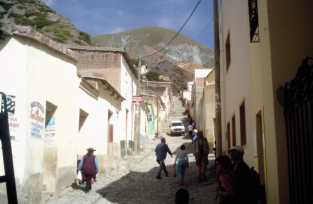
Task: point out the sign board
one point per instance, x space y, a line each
137 100
37 118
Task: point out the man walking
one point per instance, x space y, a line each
243 180
161 151
201 152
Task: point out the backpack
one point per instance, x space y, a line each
89 165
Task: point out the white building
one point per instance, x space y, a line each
99 107
38 82
113 66
54 114
199 76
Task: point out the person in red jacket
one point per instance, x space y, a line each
89 168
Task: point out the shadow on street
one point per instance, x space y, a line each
141 188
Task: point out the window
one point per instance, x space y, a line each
82 118
228 135
227 51
233 121
110 126
254 21
50 112
243 134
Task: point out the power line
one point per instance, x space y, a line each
178 32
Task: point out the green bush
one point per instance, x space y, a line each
44 9
153 76
39 21
23 20
134 61
60 32
85 37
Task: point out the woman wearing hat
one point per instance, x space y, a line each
89 168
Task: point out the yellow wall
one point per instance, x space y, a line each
291 31
286 38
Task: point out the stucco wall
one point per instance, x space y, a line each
45 68
291 40
128 90
209 109
236 82
285 39
38 76
105 65
94 132
13 82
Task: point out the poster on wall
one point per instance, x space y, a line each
37 118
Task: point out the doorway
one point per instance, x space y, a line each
50 150
110 132
260 146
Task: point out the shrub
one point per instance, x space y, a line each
85 37
153 76
44 9
41 21
23 20
60 32
134 61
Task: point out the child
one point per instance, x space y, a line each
181 163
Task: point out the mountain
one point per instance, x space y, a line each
38 15
177 61
182 49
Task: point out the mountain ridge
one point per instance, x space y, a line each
156 37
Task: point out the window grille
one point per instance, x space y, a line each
254 21
228 51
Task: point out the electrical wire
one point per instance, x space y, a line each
177 33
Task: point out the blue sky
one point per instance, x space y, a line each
109 16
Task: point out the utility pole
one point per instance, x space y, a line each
137 109
157 101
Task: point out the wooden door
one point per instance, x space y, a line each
260 145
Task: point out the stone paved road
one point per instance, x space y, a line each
134 182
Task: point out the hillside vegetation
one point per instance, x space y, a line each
38 15
182 49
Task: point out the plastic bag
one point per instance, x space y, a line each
79 176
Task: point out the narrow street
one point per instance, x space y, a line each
134 182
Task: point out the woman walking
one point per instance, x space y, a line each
181 163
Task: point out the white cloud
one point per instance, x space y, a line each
117 30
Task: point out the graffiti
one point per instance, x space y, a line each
10 104
13 124
37 119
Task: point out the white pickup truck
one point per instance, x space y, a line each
177 127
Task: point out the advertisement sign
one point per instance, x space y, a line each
138 100
37 118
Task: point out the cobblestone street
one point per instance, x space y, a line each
134 182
